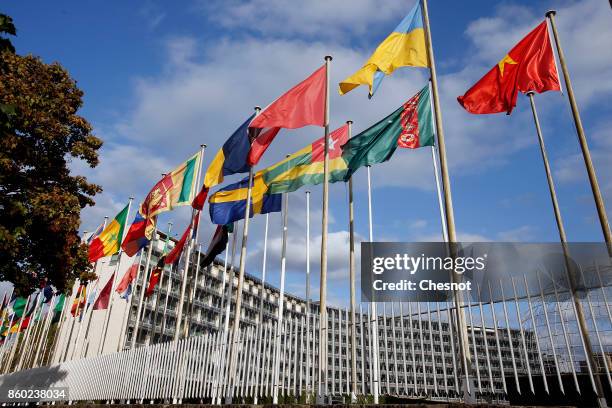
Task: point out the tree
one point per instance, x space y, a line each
40 199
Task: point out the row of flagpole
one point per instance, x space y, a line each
448 230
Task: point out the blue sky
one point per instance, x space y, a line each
160 79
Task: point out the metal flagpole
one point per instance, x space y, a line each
44 329
580 316
281 298
243 255
261 303
85 336
145 278
229 275
179 313
29 331
323 280
308 337
448 201
194 288
114 284
375 374
128 307
353 390
601 209
164 274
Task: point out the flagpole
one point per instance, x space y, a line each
28 331
128 308
45 329
448 201
83 312
161 284
261 302
308 360
113 285
194 288
601 400
85 340
586 153
323 280
179 314
353 391
373 313
243 249
281 300
145 277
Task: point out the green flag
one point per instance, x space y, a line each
19 306
410 127
57 310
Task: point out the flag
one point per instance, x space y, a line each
47 293
155 277
529 66
105 294
136 239
109 240
175 254
57 310
305 167
92 296
128 277
126 295
176 189
18 306
302 105
217 244
404 47
228 204
410 126
230 159
94 234
79 301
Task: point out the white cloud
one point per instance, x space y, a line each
319 18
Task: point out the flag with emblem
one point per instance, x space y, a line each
305 167
529 66
410 127
109 240
176 189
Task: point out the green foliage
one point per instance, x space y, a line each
40 200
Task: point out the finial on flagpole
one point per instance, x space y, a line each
551 13
349 122
328 58
203 146
257 108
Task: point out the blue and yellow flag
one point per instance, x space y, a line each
404 47
231 158
228 204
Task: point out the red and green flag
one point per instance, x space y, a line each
410 127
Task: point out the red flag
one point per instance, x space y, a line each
302 105
155 277
200 199
128 277
529 66
104 296
174 255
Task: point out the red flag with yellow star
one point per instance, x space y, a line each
529 66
